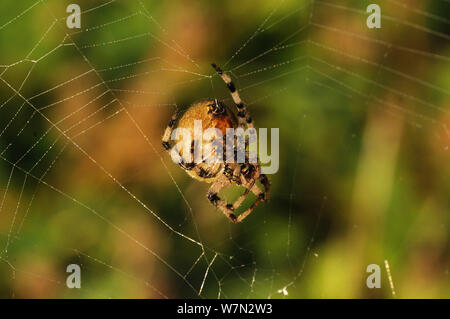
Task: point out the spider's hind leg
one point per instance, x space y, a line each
266 183
213 197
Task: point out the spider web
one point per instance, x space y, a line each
85 180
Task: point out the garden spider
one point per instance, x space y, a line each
214 114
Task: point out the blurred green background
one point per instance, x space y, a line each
364 160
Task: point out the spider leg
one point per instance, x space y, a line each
183 164
168 132
229 209
214 198
248 185
239 179
200 171
265 182
244 181
237 175
243 114
241 198
261 196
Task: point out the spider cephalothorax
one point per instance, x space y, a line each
216 115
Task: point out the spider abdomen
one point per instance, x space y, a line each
211 114
204 111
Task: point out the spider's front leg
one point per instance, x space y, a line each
242 112
213 197
261 196
168 132
265 182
